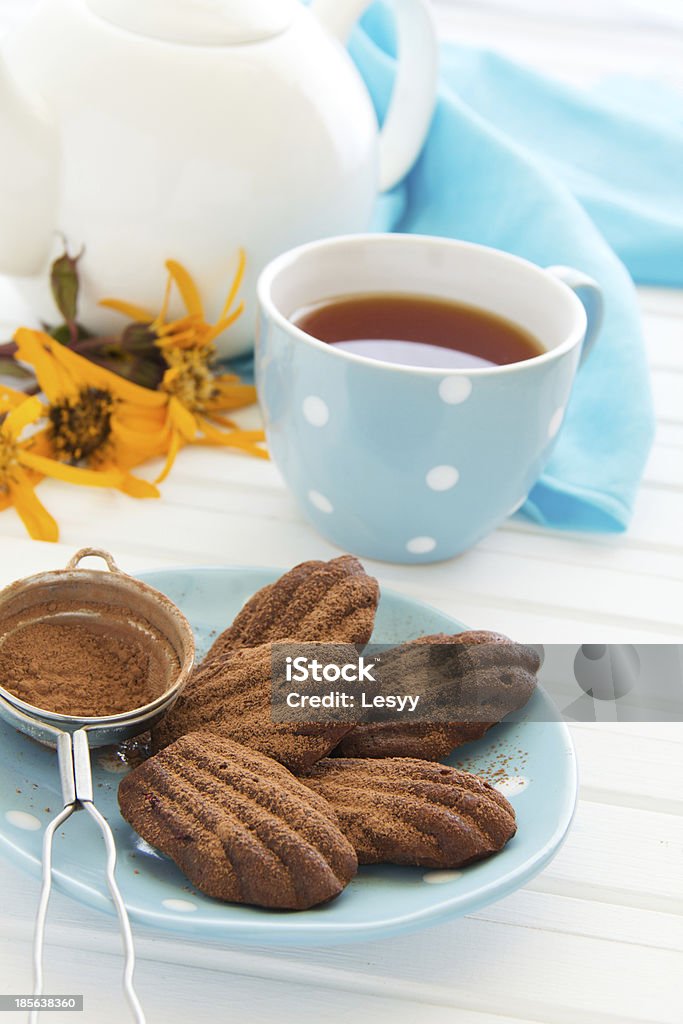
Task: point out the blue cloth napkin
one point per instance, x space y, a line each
556 175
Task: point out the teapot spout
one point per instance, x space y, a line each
29 180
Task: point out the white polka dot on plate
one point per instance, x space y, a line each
320 502
421 545
316 411
22 820
180 906
455 390
556 422
511 786
441 877
442 478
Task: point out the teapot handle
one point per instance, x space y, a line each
412 104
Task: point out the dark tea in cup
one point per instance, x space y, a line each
418 330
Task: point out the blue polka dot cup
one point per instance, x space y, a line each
413 464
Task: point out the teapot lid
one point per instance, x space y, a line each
200 22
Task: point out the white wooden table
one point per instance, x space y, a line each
598 937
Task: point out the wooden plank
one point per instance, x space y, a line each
665 467
23 557
177 992
667 391
489 975
669 732
620 855
243 533
664 339
592 551
670 435
657 519
618 924
625 767
254 490
533 624
667 302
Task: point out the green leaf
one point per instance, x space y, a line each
146 369
8 368
65 334
134 355
65 286
64 281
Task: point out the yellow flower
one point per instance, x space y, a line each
94 416
196 396
24 462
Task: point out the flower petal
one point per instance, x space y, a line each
35 348
39 444
22 416
139 417
9 398
232 396
222 421
247 440
129 309
138 488
62 373
133 485
182 419
173 450
236 284
223 325
159 319
141 439
34 515
70 474
176 326
186 287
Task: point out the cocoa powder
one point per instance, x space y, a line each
83 666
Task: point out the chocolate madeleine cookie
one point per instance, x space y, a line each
230 696
481 676
425 742
328 601
239 825
405 811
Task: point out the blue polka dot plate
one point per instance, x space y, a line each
531 760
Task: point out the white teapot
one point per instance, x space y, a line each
144 130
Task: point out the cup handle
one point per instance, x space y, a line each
590 294
412 104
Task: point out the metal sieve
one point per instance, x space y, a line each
149 615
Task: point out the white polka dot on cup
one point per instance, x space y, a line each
442 478
556 422
316 411
21 819
455 390
320 502
421 545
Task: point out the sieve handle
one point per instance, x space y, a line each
95 553
77 787
84 794
41 917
